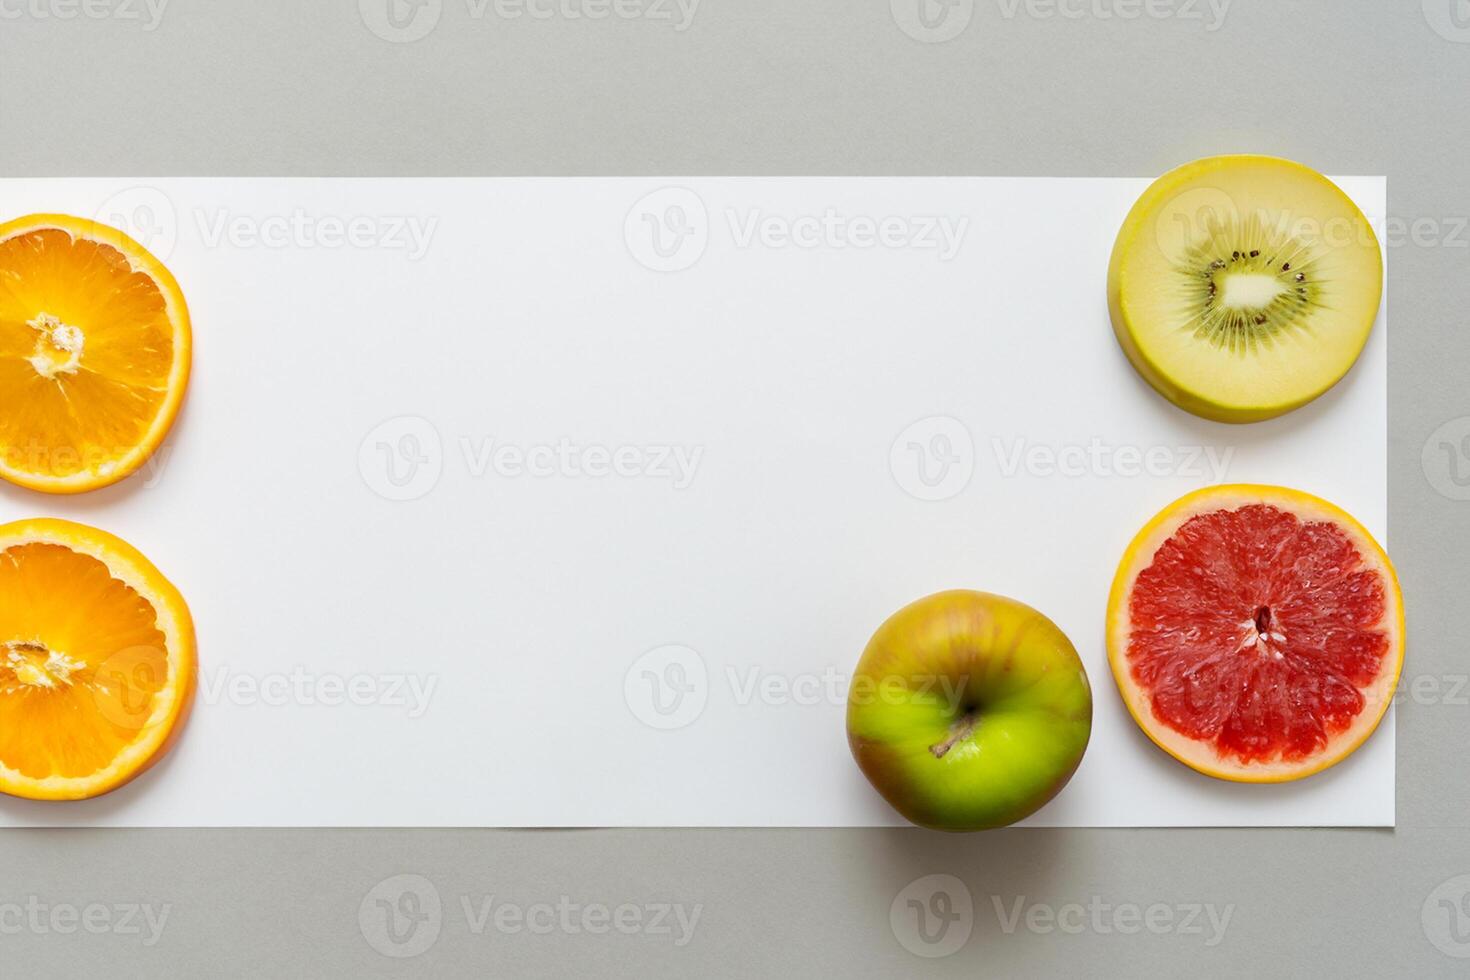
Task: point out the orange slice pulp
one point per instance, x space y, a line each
94 353
97 662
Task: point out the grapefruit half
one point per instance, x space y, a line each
1256 633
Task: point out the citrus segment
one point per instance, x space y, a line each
94 353
1256 633
96 661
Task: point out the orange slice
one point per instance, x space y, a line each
1256 633
94 353
97 661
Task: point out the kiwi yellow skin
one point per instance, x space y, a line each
1214 398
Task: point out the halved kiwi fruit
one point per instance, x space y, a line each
1242 287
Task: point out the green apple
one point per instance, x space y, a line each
968 711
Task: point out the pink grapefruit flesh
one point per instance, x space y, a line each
1256 633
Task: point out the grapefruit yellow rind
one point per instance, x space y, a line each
158 731
110 471
1207 177
1201 756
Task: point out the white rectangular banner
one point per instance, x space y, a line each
573 502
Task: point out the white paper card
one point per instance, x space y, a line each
572 502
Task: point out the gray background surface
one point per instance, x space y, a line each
817 87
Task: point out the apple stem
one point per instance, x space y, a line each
958 732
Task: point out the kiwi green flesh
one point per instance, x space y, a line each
1244 285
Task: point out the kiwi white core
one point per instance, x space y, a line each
1249 291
